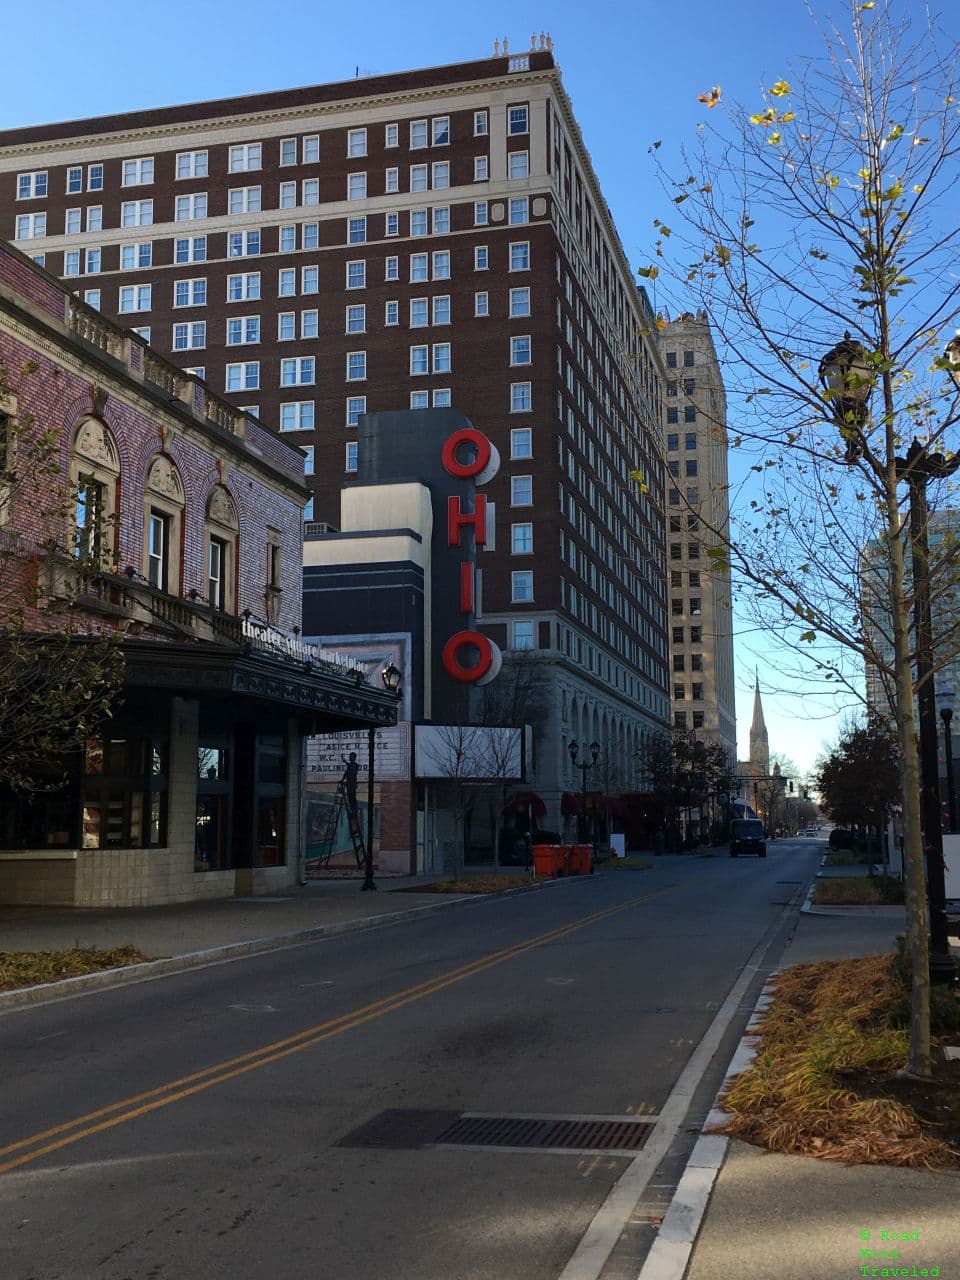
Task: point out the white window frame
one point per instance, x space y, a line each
248 328
518 531
481 123
249 286
355 318
190 208
481 168
356 143
419 178
72 222
244 199
518 115
391 313
310 151
246 374
309 192
194 164
438 304
516 348
440 264
391 181
288 152
524 594
391 134
309 280
440 125
359 359
357 229
518 247
518 165
137 255
521 491
33 185
74 179
245 157
420 356
481 303
136 213
351 456
140 295
419 311
440 175
391 267
137 173
422 130
356 274
303 371
520 437
520 301
355 407
415 276
519 392
441 363
357 186
192 249
310 323
286 326
303 415
94 219
193 331
481 258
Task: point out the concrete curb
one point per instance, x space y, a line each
670 1253
49 992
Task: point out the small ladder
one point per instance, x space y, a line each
353 825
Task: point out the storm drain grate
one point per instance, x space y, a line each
545 1133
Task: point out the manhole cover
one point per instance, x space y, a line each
545 1133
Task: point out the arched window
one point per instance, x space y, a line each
94 473
220 532
163 501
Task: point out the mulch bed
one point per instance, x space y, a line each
936 1104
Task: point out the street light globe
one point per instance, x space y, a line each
847 381
945 700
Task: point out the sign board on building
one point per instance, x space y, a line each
326 753
468 752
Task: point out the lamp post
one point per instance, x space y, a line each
391 681
945 707
848 382
584 767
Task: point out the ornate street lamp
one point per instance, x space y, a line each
390 677
848 382
584 767
945 707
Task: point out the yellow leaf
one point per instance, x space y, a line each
774 138
712 98
864 174
868 5
637 476
764 117
780 89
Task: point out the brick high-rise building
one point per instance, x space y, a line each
427 239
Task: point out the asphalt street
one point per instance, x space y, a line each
206 1124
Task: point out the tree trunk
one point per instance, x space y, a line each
917 938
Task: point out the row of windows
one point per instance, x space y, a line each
689 414
689 467
673 441
246 330
696 692
248 157
247 200
671 357
696 635
696 662
680 720
245 287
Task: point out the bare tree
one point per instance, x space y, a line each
60 676
828 209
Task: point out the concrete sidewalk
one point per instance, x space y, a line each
186 935
792 1217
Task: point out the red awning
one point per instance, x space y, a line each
521 801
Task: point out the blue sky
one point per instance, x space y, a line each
633 69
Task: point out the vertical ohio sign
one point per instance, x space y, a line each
482 464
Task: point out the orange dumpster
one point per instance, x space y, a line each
549 859
581 859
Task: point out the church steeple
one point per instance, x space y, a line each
759 746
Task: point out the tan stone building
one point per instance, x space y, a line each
701 620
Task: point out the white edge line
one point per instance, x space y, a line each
601 1236
669 1255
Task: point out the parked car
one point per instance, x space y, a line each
747 836
810 831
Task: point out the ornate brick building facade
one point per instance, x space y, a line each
167 520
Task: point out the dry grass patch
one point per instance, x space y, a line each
847 891
479 884
29 968
816 1085
630 863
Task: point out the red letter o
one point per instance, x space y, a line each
451 656
464 470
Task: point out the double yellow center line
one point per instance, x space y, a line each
26 1150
